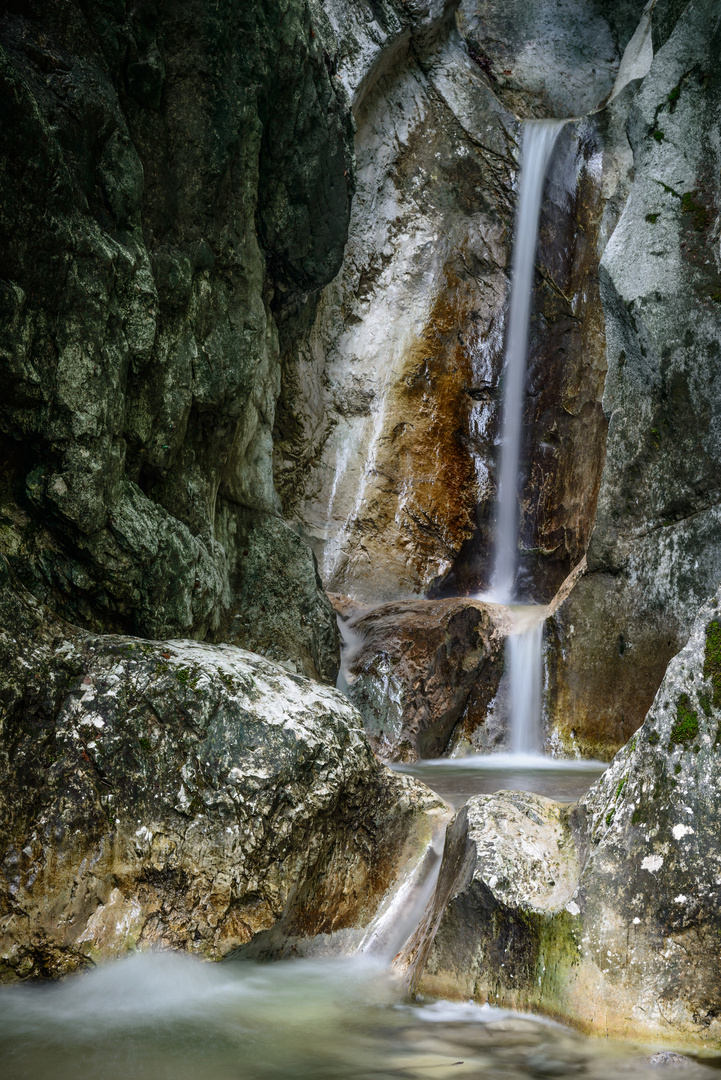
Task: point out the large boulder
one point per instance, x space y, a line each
183 795
422 673
607 913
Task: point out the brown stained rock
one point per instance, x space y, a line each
182 795
388 410
421 671
565 424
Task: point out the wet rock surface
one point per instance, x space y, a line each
387 427
653 557
422 673
606 914
183 795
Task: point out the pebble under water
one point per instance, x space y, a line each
170 1017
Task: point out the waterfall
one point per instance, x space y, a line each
525 668
524 645
539 137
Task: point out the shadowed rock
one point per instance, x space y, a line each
422 672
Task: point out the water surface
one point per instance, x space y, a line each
457 779
169 1017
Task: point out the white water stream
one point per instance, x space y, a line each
524 645
539 139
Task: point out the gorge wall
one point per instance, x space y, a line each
252 313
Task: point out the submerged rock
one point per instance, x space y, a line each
607 913
183 795
423 672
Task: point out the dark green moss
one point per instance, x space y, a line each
705 702
638 817
145 744
653 218
620 786
697 211
659 136
609 815
712 661
677 768
685 729
653 738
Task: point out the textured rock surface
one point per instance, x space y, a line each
156 212
387 427
423 672
389 400
654 555
182 795
608 913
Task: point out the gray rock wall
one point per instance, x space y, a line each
654 555
154 203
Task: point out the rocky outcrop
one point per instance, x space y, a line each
184 795
607 913
654 555
158 219
388 402
550 59
386 432
422 673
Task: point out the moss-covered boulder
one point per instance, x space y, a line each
608 913
182 795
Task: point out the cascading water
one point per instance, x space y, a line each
524 645
539 138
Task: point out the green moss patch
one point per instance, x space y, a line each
698 212
685 729
712 662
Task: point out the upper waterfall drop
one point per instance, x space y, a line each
539 139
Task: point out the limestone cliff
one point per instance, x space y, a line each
654 556
157 218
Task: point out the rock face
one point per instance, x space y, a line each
654 556
423 672
183 795
387 425
608 913
389 399
157 221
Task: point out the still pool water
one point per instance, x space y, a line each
457 779
169 1017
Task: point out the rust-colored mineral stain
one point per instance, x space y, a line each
426 460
